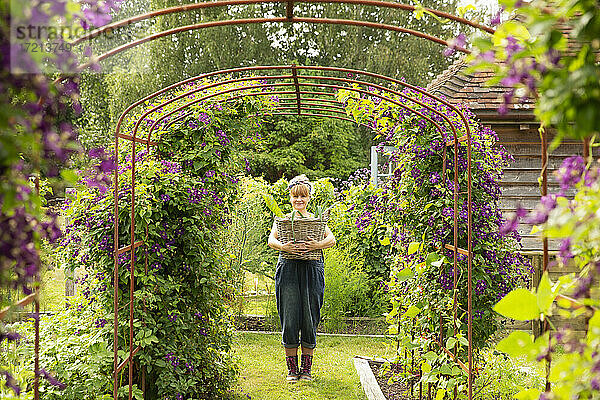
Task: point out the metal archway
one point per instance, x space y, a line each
288 18
315 107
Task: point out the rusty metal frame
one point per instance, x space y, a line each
289 18
308 108
289 13
312 108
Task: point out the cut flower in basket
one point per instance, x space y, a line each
272 204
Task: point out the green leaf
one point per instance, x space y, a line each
385 241
515 344
431 258
430 356
8 201
450 343
511 28
529 394
520 304
545 295
461 12
411 312
445 370
69 175
404 274
272 204
413 247
425 367
441 393
593 328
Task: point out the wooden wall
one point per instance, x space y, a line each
520 185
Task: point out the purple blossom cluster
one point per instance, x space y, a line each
521 72
100 176
222 137
480 287
170 167
447 280
358 178
18 252
172 358
10 382
570 172
100 322
196 195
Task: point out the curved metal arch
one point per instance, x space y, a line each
256 68
179 118
298 84
183 83
303 114
161 118
456 139
382 88
245 21
290 18
322 116
289 12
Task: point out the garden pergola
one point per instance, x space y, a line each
302 92
320 105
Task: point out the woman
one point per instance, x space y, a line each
299 287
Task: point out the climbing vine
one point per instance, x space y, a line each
414 211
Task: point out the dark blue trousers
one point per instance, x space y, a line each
299 289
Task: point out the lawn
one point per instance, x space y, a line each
263 370
259 305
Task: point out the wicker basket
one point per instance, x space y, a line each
304 228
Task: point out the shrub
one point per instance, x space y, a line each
346 286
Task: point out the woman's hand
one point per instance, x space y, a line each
294 248
311 245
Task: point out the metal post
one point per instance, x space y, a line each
36 321
545 257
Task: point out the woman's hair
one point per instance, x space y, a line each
300 186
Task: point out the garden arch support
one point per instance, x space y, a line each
321 109
314 106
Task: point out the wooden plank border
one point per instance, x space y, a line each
367 379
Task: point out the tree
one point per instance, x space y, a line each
318 147
153 65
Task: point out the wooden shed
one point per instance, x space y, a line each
518 133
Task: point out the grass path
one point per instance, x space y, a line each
263 370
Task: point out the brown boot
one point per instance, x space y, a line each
292 365
305 367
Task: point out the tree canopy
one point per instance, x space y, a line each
144 69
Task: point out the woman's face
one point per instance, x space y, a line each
299 202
